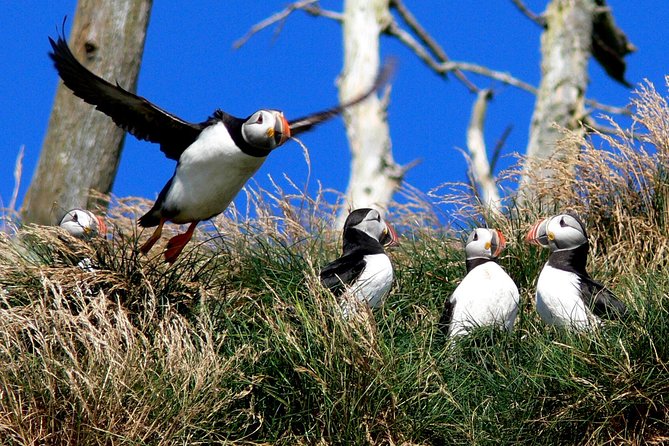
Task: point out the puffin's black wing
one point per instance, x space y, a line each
132 113
343 271
601 300
306 123
446 316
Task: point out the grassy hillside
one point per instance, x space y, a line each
237 343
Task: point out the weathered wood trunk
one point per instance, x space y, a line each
565 50
374 175
82 147
479 165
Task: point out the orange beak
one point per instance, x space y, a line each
392 239
102 227
501 243
282 130
537 234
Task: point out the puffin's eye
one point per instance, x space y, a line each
259 120
562 223
476 236
75 217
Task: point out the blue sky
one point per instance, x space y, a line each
190 68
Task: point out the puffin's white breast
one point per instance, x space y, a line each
486 296
375 280
559 301
211 171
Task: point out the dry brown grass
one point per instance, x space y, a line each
618 182
621 186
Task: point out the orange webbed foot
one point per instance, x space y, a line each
177 243
146 247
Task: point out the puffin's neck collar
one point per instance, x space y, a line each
234 127
355 239
473 262
574 260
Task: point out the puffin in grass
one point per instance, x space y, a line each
364 270
566 294
487 296
83 224
214 158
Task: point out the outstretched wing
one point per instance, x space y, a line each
306 123
132 113
343 271
601 300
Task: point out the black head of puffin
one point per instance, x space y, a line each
484 243
370 222
559 232
266 129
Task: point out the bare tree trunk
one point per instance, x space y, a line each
82 146
565 50
374 174
481 172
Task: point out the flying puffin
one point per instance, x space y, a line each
487 295
364 270
214 158
83 224
566 295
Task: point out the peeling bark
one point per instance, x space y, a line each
82 147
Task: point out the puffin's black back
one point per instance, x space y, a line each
356 245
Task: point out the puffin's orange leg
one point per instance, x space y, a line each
146 247
177 243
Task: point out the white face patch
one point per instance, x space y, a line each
484 243
565 232
79 223
373 225
479 244
260 130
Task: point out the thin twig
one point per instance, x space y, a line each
428 41
536 18
317 11
625 111
508 79
591 126
18 170
419 50
499 145
280 16
505 78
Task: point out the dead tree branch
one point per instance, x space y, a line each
309 6
427 41
536 18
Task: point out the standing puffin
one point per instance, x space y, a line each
487 295
83 224
364 269
214 158
566 295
